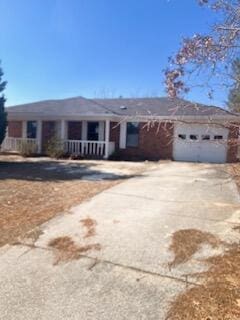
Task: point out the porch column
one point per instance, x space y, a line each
101 131
63 130
107 134
84 130
39 135
24 129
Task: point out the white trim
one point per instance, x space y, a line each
123 135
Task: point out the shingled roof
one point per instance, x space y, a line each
71 106
119 107
159 107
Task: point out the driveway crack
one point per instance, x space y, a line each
97 261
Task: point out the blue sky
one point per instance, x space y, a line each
64 48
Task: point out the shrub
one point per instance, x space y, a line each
27 149
55 148
121 156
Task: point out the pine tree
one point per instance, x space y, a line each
3 114
234 94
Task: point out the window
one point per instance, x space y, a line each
132 134
32 129
218 137
205 137
74 130
193 137
182 136
93 131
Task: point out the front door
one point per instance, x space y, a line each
93 131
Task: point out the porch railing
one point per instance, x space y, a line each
17 144
84 147
73 147
88 148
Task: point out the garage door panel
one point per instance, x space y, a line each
200 143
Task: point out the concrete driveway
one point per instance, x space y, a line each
129 277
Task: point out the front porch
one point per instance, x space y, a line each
85 138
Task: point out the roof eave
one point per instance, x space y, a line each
115 117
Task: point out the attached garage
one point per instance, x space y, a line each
200 143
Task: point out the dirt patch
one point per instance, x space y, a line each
90 225
185 243
236 228
218 298
31 195
67 249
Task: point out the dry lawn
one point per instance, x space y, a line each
234 170
185 243
66 249
218 297
30 194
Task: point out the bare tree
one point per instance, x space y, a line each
234 94
210 54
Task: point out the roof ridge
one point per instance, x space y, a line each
129 98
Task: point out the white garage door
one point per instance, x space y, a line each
200 143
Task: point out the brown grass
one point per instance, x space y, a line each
90 225
34 234
30 196
218 298
67 249
234 171
185 243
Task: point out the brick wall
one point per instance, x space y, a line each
155 142
15 129
115 133
74 130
